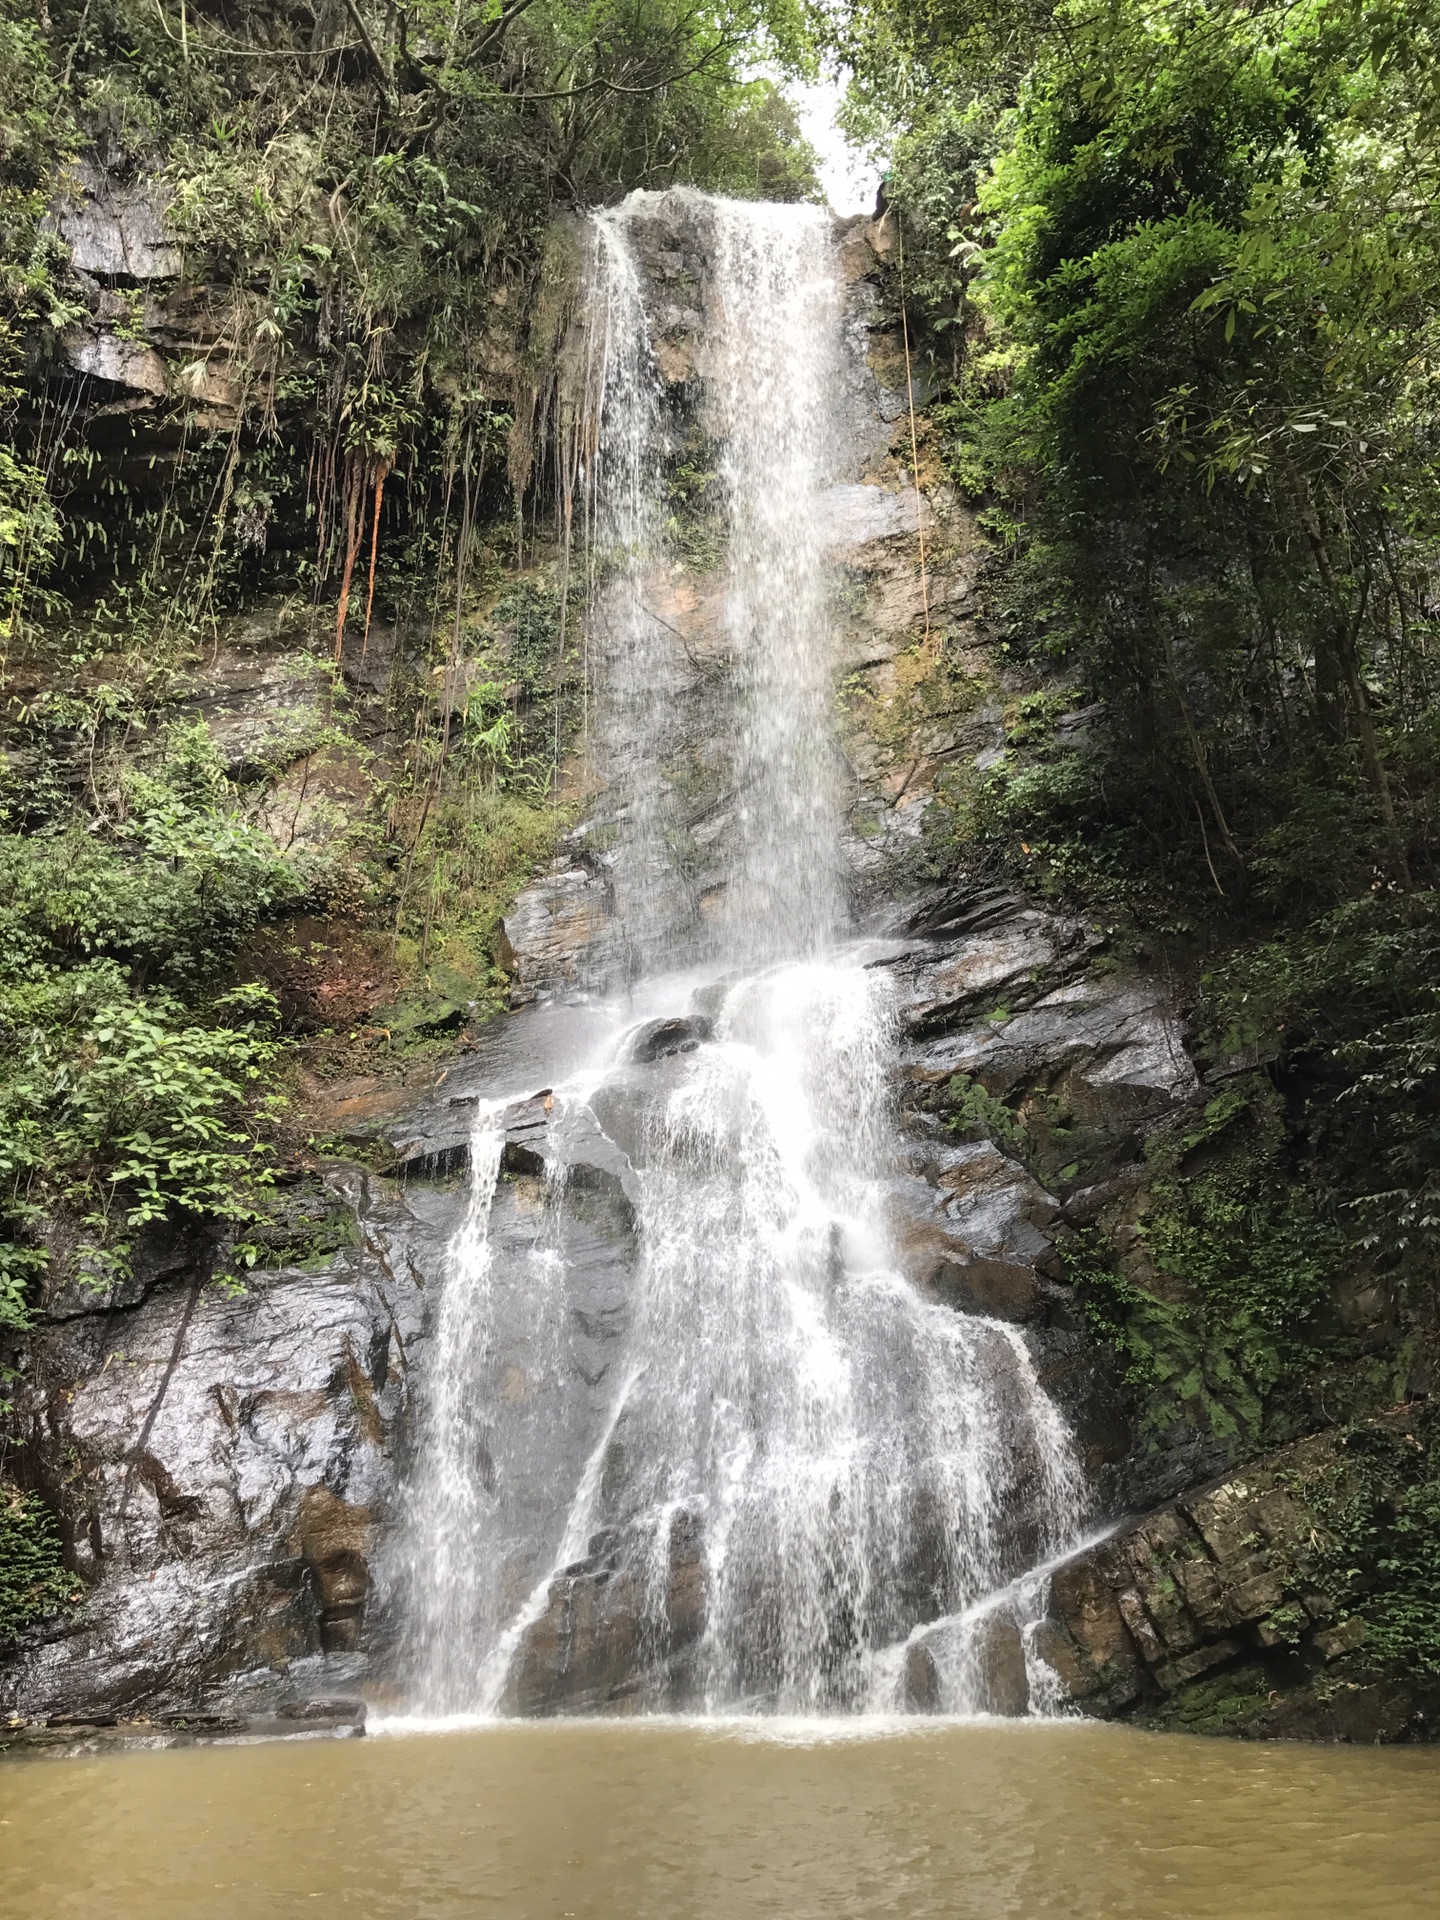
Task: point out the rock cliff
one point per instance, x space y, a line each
229 1465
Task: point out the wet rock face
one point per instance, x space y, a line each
231 1471
219 1463
993 1653
970 1223
582 1654
116 230
972 1226
1215 1613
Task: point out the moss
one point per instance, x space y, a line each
1228 1703
1381 1506
694 521
302 1225
1218 1300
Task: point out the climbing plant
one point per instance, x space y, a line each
34 1581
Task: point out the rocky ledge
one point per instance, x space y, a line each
67 1736
1230 1609
220 1463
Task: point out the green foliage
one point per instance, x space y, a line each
1187 274
692 523
1184 265
1382 1511
301 1224
123 1109
34 1581
29 292
527 618
372 216
129 1068
1231 1268
168 896
977 1115
1346 1010
935 174
480 841
363 212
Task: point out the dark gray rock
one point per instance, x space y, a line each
219 1462
1213 1614
580 1656
659 1038
118 230
973 1229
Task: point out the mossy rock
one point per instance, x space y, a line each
305 1225
1227 1703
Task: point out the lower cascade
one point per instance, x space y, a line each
690 1440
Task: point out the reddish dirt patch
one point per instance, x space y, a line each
324 973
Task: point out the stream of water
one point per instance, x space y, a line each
662 1820
801 1460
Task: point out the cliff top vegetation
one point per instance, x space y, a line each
281 287
1177 267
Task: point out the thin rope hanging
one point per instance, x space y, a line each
914 437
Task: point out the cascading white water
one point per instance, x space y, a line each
450 1505
622 496
814 1457
846 1454
773 381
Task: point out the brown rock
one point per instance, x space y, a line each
685 1597
1142 1628
544 937
1190 1666
922 1680
1204 1593
1155 1608
1085 1607
334 1541
995 1288
579 1657
1256 1597
1342 1639
114 228
999 1655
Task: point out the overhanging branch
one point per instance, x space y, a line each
617 86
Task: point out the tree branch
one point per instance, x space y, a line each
372 52
498 25
615 86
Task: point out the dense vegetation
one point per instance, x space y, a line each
1178 266
294 418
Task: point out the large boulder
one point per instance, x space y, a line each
1221 1611
217 1457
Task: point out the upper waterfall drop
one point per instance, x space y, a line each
773 377
767 361
755 1463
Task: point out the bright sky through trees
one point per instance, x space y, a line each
849 179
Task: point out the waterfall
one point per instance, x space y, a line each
622 496
773 378
451 1500
797 1462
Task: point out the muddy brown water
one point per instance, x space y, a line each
668 1820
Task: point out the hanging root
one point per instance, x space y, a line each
382 469
352 547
